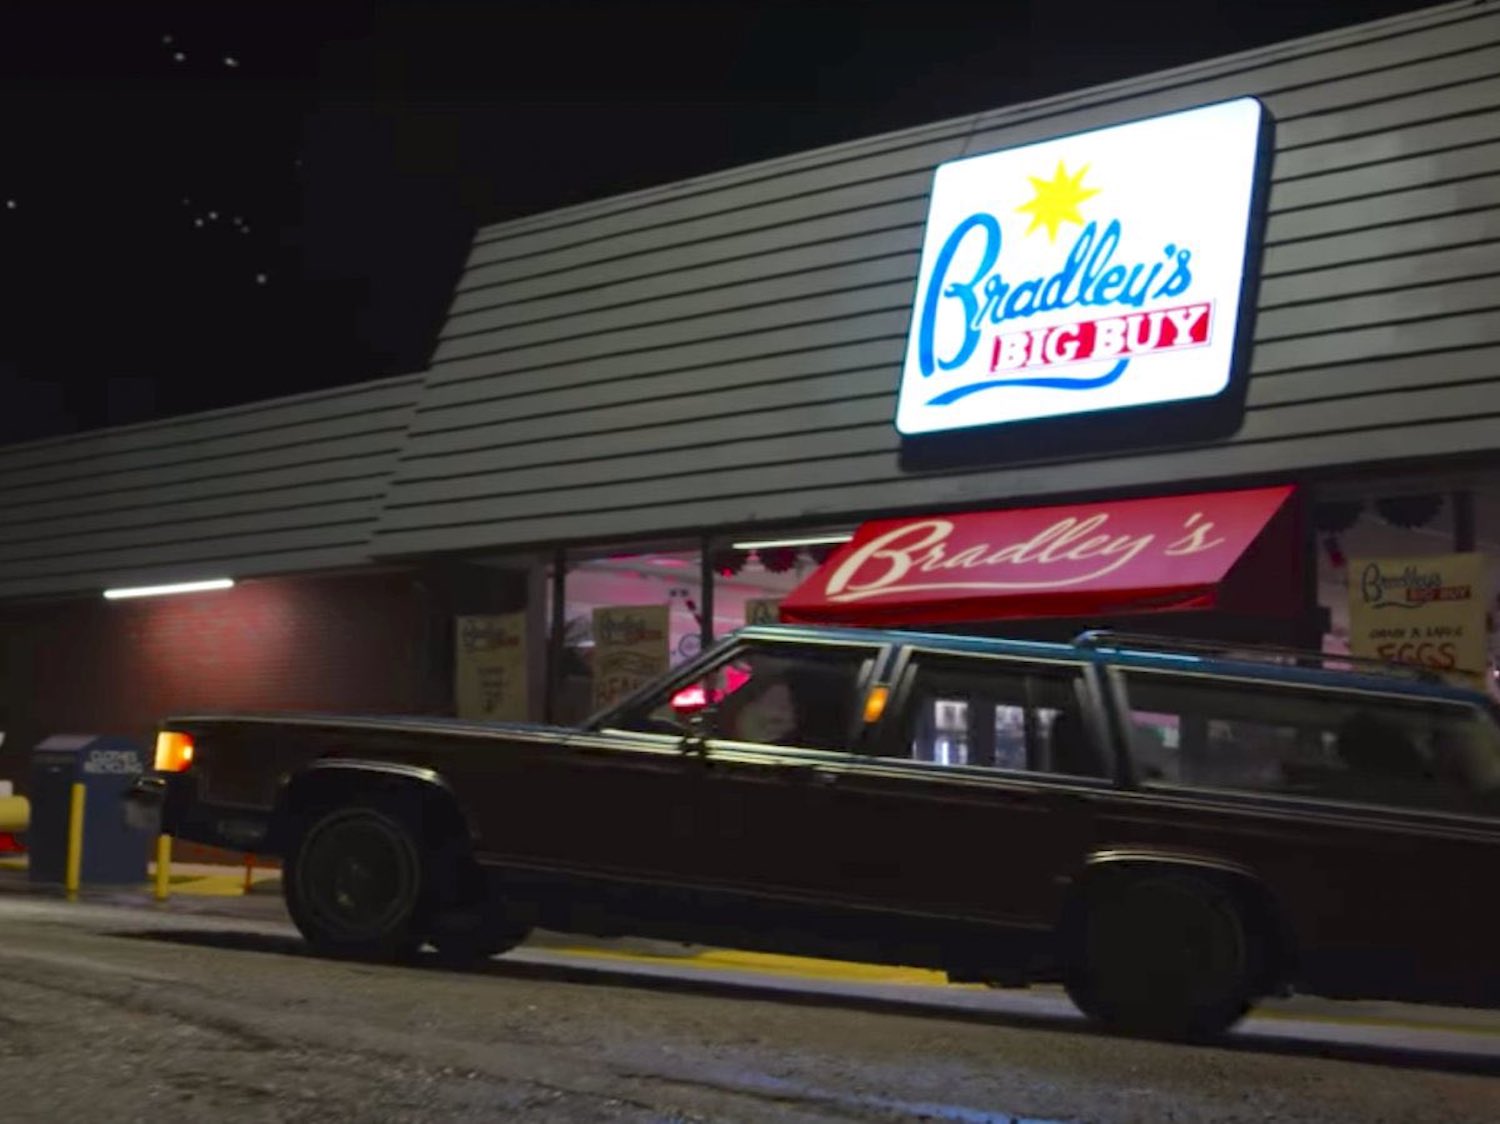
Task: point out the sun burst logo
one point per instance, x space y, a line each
1056 200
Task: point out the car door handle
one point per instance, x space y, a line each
807 774
1017 801
782 774
1041 801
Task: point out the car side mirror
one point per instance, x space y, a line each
701 721
696 708
700 727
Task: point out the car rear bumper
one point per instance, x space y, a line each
145 804
169 804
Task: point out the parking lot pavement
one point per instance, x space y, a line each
211 1009
219 891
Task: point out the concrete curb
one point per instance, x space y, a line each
190 879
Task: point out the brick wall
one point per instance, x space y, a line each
367 643
359 643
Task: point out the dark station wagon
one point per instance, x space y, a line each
1168 830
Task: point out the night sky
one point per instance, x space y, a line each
209 203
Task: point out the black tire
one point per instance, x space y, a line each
466 940
472 923
356 884
1162 954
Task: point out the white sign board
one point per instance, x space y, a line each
1428 611
490 667
1086 273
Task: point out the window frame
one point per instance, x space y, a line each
891 732
876 659
1119 692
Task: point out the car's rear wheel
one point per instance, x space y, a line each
1163 954
354 884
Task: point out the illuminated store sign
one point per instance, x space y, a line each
1087 273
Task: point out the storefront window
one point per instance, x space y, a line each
753 576
628 617
1437 537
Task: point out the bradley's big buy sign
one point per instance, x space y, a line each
1086 273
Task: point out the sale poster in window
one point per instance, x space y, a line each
630 650
763 610
1425 611
490 667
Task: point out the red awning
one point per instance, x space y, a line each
1088 560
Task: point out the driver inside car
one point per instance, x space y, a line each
766 715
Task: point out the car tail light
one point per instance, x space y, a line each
174 751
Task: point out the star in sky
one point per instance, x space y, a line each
1056 200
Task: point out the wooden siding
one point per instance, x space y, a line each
724 352
289 485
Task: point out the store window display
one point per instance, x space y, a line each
1419 519
663 585
748 579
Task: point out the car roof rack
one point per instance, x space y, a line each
1269 653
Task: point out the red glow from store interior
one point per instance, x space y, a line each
695 696
690 699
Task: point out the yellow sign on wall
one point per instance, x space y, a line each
1426 611
763 610
631 648
490 667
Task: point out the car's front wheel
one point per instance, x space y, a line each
354 884
471 938
1162 953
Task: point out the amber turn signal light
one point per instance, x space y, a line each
174 751
875 704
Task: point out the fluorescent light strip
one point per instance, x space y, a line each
814 540
167 590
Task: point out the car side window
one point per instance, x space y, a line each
1001 715
1395 751
799 696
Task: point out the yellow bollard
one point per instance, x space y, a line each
163 866
75 840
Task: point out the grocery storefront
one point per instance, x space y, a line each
653 418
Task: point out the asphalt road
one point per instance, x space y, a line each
111 1013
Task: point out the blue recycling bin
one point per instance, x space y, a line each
113 852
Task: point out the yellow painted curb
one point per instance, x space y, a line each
811 968
1370 1020
216 885
210 886
821 969
199 885
766 963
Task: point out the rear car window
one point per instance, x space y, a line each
1362 748
1000 714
